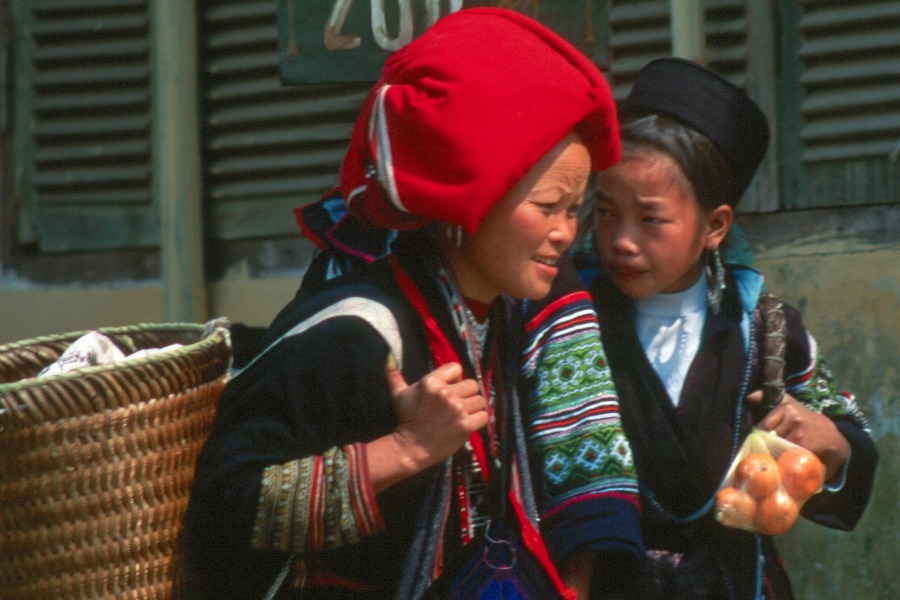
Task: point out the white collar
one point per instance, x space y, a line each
672 305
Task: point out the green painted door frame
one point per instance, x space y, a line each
688 29
175 149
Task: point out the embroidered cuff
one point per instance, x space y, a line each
317 503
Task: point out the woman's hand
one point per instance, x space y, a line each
436 414
805 427
435 417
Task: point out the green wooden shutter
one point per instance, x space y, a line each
85 150
268 147
641 32
842 103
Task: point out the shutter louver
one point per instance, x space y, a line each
641 32
850 79
726 40
268 147
850 107
91 182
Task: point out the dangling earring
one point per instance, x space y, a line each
715 280
454 234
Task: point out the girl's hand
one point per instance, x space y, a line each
805 427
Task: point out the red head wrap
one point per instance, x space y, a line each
464 111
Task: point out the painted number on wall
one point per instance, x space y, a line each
335 39
324 41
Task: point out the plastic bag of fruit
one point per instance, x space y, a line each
769 481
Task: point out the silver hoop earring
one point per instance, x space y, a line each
715 280
454 235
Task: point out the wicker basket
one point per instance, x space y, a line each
96 465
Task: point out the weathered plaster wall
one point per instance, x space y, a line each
30 312
842 270
27 313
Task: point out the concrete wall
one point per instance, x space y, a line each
841 268
27 312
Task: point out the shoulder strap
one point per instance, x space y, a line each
373 312
771 311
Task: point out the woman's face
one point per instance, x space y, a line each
517 246
649 229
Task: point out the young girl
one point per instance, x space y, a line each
681 331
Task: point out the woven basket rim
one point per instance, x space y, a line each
121 330
213 338
103 523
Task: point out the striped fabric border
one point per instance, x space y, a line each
574 425
317 502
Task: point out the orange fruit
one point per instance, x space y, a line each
802 473
758 474
776 513
734 507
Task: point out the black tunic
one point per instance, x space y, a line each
682 452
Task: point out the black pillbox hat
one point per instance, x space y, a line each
702 100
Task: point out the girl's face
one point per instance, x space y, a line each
649 228
517 246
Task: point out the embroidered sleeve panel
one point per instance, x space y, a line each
317 502
573 423
814 386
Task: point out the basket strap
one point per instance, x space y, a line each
276 585
773 349
373 312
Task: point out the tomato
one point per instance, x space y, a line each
735 508
802 473
776 513
758 474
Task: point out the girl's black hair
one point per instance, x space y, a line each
700 160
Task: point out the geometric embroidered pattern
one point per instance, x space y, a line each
574 426
815 388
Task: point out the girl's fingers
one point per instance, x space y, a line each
754 397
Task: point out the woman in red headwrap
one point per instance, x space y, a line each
364 450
